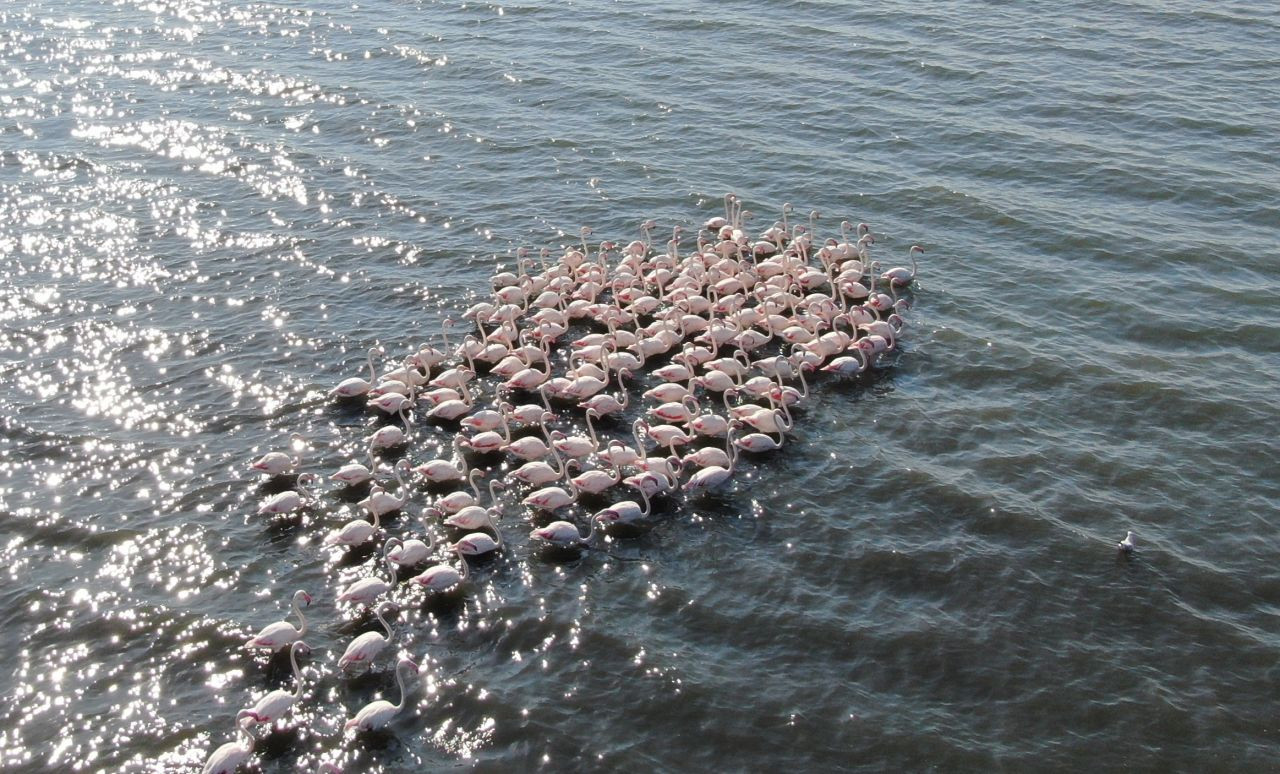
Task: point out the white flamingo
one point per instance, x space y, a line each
366 647
275 704
377 714
277 463
365 590
282 633
289 500
564 533
355 387
227 758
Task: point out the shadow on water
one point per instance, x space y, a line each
357 555
353 493
563 555
277 672
278 742
282 529
278 484
445 606
348 411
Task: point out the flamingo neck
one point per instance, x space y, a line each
383 621
297 673
404 691
301 618
248 747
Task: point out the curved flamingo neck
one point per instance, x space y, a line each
297 673
404 691
244 728
301 618
378 614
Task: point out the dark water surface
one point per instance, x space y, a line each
210 210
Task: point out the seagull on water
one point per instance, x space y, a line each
1126 546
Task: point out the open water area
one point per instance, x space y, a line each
210 210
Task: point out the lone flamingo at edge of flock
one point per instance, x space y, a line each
377 714
282 633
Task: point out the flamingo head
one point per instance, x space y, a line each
249 715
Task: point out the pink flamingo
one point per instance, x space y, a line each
367 646
625 511
289 500
354 387
365 590
227 758
377 714
443 577
275 704
277 463
565 533
282 633
899 275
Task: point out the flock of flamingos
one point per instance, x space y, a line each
728 333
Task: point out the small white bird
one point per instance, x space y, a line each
1126 546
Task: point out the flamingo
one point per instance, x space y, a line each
625 511
272 707
577 445
711 424
618 454
712 476
277 463
475 516
456 501
564 533
529 378
531 447
439 471
477 543
604 403
391 436
354 387
289 500
549 498
392 402
899 275
453 409
538 472
849 365
489 440
655 481
710 455
366 590
356 531
443 577
758 442
680 411
282 633
355 473
367 646
668 435
380 503
594 481
408 553
377 714
227 758
484 421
